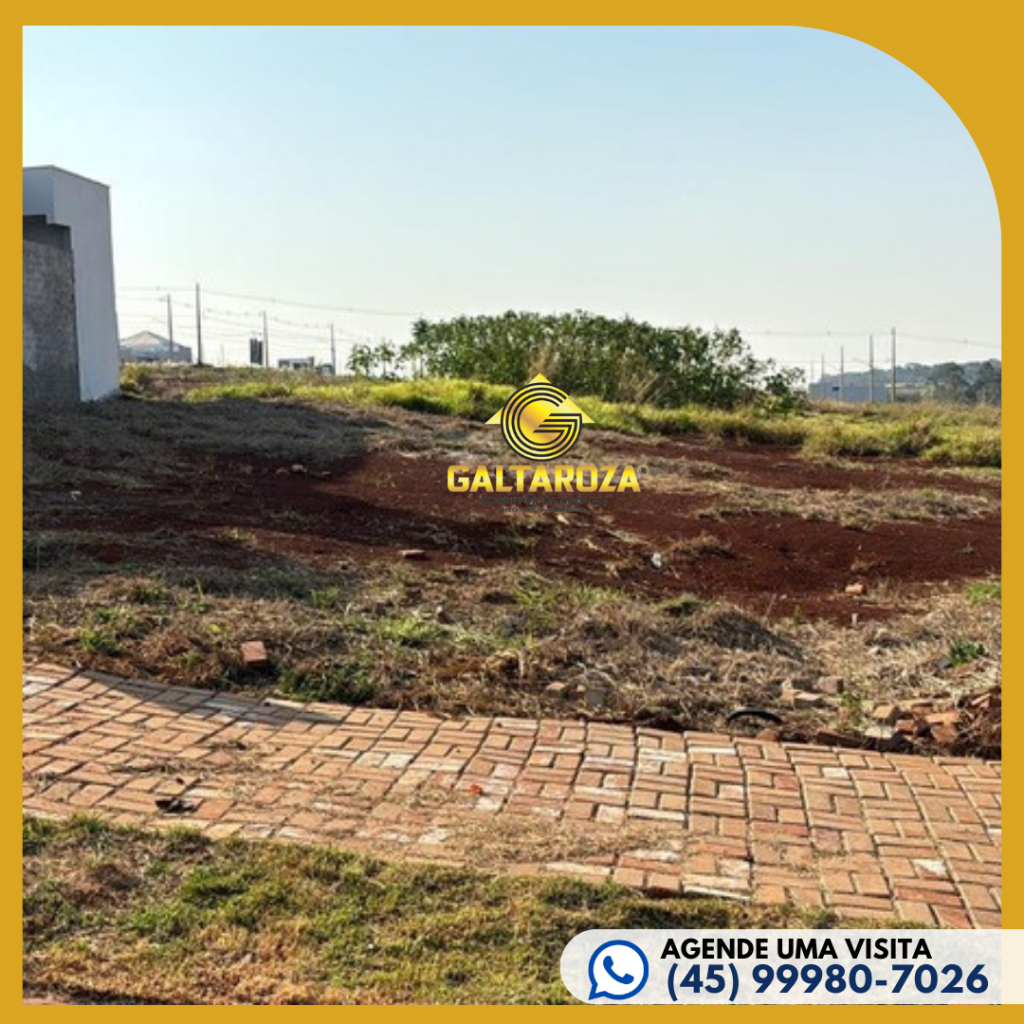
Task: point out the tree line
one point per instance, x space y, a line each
618 360
972 384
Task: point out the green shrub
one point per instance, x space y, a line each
622 360
345 681
962 652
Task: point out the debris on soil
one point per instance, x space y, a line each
254 654
831 686
557 690
884 737
175 805
980 728
593 696
855 589
805 701
762 713
942 734
886 714
838 738
413 554
800 683
970 724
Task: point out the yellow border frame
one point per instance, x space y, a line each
969 57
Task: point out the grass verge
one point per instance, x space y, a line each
124 915
945 434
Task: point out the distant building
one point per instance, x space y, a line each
69 338
147 347
304 363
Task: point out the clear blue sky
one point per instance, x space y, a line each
775 179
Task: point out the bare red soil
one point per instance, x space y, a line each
781 467
374 505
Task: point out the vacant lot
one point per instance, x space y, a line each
812 568
165 529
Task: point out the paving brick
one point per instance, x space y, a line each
870 834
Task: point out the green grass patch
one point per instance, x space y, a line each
546 603
344 680
261 922
110 628
682 606
410 631
985 590
963 652
952 435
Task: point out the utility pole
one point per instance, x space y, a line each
170 329
842 376
199 328
871 369
334 353
821 379
266 342
892 397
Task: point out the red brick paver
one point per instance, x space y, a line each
866 834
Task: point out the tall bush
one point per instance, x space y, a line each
619 360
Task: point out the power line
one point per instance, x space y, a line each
160 292
825 334
954 341
765 333
275 301
315 305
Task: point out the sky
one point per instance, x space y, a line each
799 185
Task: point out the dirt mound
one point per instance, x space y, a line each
734 630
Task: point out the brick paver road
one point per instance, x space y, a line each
868 834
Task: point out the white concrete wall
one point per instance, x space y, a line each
84 206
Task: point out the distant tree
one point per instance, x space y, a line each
988 383
411 356
360 360
383 357
949 383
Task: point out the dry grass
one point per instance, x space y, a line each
909 657
949 435
374 637
116 915
860 509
